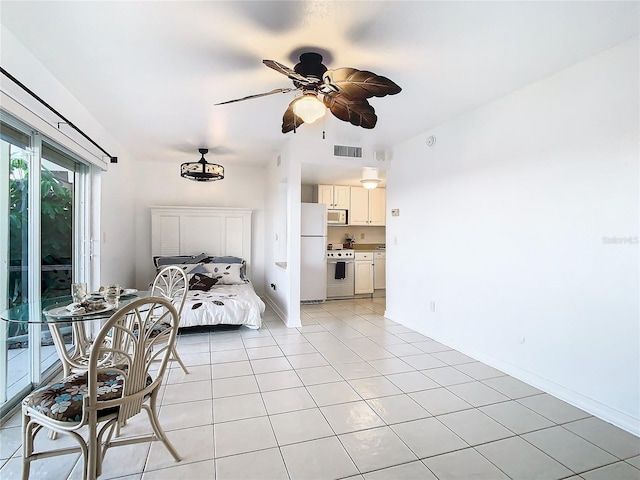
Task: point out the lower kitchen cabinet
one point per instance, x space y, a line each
379 270
363 272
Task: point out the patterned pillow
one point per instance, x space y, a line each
225 273
178 259
200 281
232 259
189 268
228 259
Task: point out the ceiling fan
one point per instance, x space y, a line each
344 91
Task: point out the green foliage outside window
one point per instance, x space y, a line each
56 196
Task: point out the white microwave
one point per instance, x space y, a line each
337 217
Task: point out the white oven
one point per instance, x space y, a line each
337 217
340 274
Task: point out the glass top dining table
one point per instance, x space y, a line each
53 310
53 313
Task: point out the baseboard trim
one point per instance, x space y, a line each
283 316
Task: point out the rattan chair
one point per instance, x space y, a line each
104 397
171 283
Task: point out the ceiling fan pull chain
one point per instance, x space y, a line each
324 127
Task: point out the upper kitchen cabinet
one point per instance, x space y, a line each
368 207
335 196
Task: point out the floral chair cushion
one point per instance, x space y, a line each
62 401
158 329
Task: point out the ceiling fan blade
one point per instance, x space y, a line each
277 90
290 121
289 72
357 112
357 83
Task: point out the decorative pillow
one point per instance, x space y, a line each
231 259
179 259
195 268
228 259
189 268
201 281
164 261
225 273
200 258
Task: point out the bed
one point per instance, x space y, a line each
213 246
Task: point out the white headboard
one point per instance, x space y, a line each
195 230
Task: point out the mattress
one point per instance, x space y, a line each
223 305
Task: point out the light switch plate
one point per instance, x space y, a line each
395 212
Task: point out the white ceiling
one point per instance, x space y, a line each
151 72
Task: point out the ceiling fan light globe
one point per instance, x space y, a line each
309 108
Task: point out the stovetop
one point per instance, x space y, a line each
340 254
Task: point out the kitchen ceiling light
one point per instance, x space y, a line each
370 178
370 183
309 108
202 171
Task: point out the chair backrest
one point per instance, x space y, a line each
131 337
171 282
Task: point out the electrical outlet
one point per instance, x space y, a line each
362 236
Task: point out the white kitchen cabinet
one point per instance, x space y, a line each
379 270
363 272
377 206
335 196
368 207
325 195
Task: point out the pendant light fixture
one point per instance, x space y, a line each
370 178
202 171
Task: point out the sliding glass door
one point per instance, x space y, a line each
14 148
43 236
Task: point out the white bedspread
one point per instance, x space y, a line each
223 304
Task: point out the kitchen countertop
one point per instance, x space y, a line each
373 247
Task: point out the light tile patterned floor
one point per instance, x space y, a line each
350 395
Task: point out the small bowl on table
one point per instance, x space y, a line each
93 304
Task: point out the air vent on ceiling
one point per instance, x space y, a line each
345 151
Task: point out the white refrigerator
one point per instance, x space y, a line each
313 252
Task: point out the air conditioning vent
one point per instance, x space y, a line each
345 151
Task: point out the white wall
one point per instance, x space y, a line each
242 187
275 216
502 225
118 246
283 205
116 222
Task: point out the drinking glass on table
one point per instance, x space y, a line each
111 294
79 292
